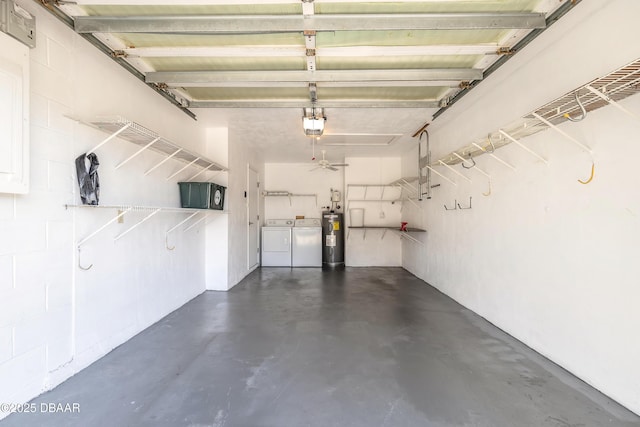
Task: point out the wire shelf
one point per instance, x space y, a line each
598 93
137 134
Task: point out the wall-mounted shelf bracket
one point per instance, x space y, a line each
561 132
163 161
498 159
183 168
197 222
110 137
128 230
134 155
454 171
441 176
524 147
611 102
105 225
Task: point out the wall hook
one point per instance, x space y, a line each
493 147
166 243
455 206
488 193
593 169
584 111
470 158
80 263
460 207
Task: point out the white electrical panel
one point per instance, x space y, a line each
14 116
17 22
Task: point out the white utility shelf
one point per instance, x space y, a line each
572 106
403 185
151 211
287 194
401 233
148 140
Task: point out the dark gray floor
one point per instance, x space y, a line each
303 347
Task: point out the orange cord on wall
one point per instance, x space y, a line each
593 168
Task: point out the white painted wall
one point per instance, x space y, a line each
549 260
299 178
376 247
54 318
241 155
217 227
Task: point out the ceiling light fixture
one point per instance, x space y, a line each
313 121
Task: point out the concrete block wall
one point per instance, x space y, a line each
56 319
549 260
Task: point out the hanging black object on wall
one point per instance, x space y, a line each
88 180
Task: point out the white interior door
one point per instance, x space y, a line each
253 226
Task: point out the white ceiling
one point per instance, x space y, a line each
380 69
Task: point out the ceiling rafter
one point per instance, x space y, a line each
257 24
202 78
299 51
320 104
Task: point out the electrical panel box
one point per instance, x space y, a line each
17 22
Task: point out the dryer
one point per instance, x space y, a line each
276 243
307 243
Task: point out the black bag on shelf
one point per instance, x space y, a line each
87 171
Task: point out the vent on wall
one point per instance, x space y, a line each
358 139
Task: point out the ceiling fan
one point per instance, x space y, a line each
326 164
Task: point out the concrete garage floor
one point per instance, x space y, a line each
303 347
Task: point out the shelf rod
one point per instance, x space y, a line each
407 236
163 161
612 102
110 137
185 167
197 222
182 222
202 171
136 225
454 171
125 161
510 166
83 241
561 132
408 184
521 145
440 175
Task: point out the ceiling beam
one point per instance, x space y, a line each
258 24
321 104
300 51
203 78
228 2
322 85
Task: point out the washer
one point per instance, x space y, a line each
307 243
276 243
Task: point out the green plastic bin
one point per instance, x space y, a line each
195 195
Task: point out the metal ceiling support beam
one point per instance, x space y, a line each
109 52
259 24
299 51
224 2
376 84
319 104
552 19
202 78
